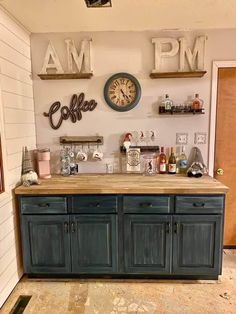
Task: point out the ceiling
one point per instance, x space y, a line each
125 15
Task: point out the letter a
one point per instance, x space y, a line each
51 55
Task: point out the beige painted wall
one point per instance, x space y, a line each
131 52
17 128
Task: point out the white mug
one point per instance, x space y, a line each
81 156
97 155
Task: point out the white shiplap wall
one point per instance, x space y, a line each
17 127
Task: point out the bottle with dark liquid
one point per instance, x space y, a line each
162 161
172 162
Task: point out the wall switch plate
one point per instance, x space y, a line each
181 138
200 138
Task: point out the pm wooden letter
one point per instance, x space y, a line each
159 53
198 54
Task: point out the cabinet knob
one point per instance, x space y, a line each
44 205
220 171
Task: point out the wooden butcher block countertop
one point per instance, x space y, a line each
124 184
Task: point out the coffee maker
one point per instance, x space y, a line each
43 162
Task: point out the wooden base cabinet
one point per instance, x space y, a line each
94 243
147 241
46 243
197 244
153 235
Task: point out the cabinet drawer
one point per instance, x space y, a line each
199 204
146 204
43 205
94 204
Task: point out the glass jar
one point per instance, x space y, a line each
150 164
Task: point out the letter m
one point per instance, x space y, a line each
196 58
81 60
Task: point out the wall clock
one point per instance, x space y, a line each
122 92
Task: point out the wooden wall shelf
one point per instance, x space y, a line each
193 112
178 74
65 76
146 149
96 140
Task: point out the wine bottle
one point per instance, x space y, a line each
162 161
172 162
183 161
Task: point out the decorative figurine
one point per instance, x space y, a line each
197 167
127 141
28 176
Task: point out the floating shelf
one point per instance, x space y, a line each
65 76
200 111
96 140
150 149
177 74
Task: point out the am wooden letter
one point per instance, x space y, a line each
51 55
84 56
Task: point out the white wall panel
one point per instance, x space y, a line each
13 71
18 116
16 101
18 130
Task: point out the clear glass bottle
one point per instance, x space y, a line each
182 161
167 103
197 103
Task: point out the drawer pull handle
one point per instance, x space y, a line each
168 227
44 205
66 227
198 204
73 227
149 205
94 205
176 227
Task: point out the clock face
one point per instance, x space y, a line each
122 92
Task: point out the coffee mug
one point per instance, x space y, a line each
97 155
81 156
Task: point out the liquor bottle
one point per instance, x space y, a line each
172 162
167 103
162 161
197 104
183 161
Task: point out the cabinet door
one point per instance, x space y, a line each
94 243
46 243
147 244
197 246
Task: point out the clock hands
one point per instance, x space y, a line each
124 95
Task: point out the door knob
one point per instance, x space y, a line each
220 171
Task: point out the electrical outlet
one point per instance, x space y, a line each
181 138
200 138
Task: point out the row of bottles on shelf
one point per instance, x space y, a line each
175 164
194 106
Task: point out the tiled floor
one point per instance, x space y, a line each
131 296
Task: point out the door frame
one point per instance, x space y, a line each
213 110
